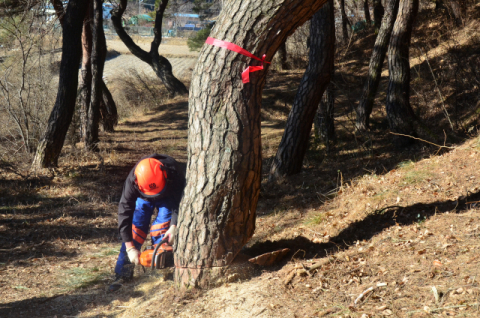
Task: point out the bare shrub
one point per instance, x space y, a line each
27 81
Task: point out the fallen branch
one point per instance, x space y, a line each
320 264
428 142
290 277
360 297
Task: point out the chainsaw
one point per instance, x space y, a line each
156 256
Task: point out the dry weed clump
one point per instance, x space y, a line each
27 84
136 93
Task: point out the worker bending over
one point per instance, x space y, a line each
156 181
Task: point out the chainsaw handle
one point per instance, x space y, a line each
165 240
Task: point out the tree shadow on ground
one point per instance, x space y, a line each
366 228
64 305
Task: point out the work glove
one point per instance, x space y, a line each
171 234
133 255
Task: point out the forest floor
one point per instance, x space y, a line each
393 233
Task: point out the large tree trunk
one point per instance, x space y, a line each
366 9
401 118
324 119
98 62
365 106
108 108
345 21
160 64
294 143
378 12
86 71
51 143
217 212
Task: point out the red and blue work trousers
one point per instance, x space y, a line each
140 224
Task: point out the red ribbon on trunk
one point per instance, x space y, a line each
236 48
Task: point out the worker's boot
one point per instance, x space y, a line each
120 279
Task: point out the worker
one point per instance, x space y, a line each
156 181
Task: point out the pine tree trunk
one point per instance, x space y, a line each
457 9
282 56
51 143
86 71
365 106
159 64
400 115
217 212
324 119
345 21
108 109
378 11
366 9
98 62
294 143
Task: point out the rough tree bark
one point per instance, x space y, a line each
345 21
108 108
86 70
365 106
324 119
51 143
160 64
378 11
401 117
98 62
217 212
282 56
294 143
458 10
366 9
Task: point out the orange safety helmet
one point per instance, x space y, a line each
150 176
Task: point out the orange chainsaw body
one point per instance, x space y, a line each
146 256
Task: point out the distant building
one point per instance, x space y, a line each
185 22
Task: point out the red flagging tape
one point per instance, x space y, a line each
236 48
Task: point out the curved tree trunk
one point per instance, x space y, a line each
294 143
366 9
159 64
51 143
324 119
365 106
401 118
217 212
98 62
